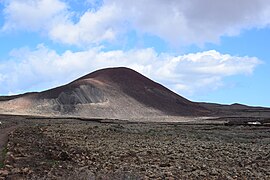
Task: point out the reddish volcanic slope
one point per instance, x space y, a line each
147 92
116 92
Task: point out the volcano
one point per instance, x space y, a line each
111 92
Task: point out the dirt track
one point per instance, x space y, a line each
4 132
4 135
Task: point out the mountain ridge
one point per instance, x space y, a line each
118 93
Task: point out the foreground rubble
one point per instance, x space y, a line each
87 150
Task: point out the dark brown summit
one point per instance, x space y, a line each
147 92
112 92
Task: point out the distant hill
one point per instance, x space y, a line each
112 92
120 93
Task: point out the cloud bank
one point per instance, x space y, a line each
179 22
44 68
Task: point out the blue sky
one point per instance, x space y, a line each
214 51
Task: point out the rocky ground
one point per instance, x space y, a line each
73 149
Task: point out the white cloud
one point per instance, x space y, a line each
37 15
92 27
194 21
179 22
43 68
